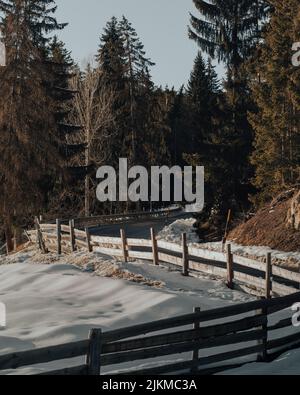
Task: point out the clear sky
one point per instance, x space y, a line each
161 25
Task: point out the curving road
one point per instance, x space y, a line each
138 229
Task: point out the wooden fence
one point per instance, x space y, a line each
263 278
3 249
95 221
203 342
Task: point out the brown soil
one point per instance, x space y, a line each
268 228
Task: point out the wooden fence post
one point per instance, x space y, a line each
39 236
196 351
124 245
88 240
38 241
269 276
185 256
93 359
154 247
263 355
230 272
72 235
58 235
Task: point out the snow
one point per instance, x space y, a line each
257 252
60 300
52 300
286 364
173 232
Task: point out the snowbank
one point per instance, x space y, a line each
173 232
287 259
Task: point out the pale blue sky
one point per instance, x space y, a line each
161 25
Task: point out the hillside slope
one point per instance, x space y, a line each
269 227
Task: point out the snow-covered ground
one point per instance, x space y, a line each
173 232
53 300
286 364
287 259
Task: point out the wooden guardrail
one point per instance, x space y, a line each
269 280
95 221
3 249
206 341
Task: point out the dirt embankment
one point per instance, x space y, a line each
272 225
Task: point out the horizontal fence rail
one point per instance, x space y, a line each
251 331
207 341
261 277
3 249
95 221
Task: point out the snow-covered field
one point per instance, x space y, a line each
59 301
52 300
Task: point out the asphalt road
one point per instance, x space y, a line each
138 229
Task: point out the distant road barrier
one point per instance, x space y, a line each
3 249
83 222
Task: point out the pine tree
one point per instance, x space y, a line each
211 148
136 68
60 72
200 90
112 68
198 82
229 32
140 121
152 124
28 139
179 140
123 65
275 88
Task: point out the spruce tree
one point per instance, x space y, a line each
136 68
112 68
179 140
140 122
211 148
28 140
151 124
199 91
229 32
61 70
275 87
124 67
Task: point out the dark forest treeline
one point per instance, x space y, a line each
59 123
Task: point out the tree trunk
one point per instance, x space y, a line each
87 177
